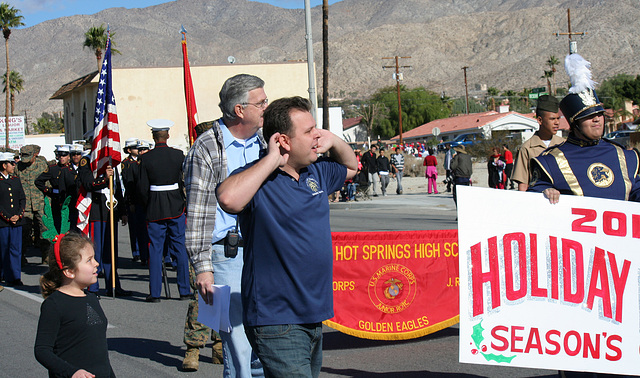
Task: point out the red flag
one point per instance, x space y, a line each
190 98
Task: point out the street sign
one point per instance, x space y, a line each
435 131
538 90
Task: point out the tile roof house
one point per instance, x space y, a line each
484 123
354 130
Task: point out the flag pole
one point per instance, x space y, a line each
111 232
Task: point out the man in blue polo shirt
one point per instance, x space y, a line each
284 215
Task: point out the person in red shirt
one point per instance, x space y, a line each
432 171
508 159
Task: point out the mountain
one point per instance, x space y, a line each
506 43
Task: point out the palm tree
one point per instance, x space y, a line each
547 75
9 18
552 62
16 85
96 39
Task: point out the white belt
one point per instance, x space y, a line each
163 188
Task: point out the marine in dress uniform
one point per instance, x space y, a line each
75 154
128 180
161 189
12 205
100 222
59 178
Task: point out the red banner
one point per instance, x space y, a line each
395 285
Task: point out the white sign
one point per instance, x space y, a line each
549 286
16 132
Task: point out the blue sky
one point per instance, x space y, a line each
36 11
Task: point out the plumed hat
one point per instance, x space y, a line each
582 100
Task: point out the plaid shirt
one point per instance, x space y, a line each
204 168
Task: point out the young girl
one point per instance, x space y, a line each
72 330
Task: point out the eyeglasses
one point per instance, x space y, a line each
260 105
142 149
61 154
12 162
75 153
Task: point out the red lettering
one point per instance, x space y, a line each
536 291
588 216
619 281
555 343
510 277
635 226
568 246
478 277
607 223
515 338
590 348
553 244
567 348
614 348
599 273
533 342
505 343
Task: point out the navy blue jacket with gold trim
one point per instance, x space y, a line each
162 167
12 200
599 168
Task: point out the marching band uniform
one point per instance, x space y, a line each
161 189
12 203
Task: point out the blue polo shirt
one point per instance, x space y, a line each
288 268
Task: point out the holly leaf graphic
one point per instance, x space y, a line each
497 357
476 336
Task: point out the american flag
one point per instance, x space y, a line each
105 147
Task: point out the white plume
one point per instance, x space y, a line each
579 71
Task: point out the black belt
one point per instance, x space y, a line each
240 242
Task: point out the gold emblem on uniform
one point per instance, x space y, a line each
313 185
83 162
600 175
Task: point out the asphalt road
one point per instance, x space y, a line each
145 339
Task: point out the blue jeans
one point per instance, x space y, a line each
288 350
238 358
399 173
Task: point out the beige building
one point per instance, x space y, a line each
147 93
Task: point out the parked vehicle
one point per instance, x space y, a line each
461 140
622 137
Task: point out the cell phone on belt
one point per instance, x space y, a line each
231 242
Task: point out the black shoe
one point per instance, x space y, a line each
136 258
143 262
151 299
186 297
15 283
119 293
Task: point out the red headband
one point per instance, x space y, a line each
56 249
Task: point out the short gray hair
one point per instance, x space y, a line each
236 91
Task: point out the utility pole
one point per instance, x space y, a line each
573 45
325 64
466 88
398 76
310 65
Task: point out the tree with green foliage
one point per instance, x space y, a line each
419 106
611 91
552 62
96 39
459 106
16 85
49 124
9 18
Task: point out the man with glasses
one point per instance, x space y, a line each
29 168
59 179
232 142
12 204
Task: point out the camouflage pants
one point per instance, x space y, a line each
196 333
32 230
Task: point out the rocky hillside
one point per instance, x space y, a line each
504 42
